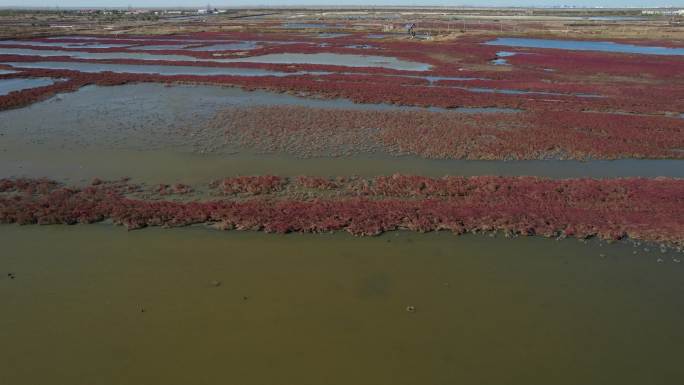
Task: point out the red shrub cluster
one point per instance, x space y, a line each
647 209
318 183
176 189
249 185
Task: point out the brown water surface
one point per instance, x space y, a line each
95 304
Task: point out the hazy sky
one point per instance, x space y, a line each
254 3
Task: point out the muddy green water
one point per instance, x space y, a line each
163 166
331 309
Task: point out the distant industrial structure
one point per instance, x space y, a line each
210 11
143 11
664 12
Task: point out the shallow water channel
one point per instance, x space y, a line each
167 70
336 59
347 60
96 304
11 85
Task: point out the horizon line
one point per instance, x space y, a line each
322 6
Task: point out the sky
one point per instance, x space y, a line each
275 3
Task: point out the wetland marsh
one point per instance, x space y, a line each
283 198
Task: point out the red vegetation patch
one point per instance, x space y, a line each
631 83
646 209
318 183
307 131
584 62
176 189
249 185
